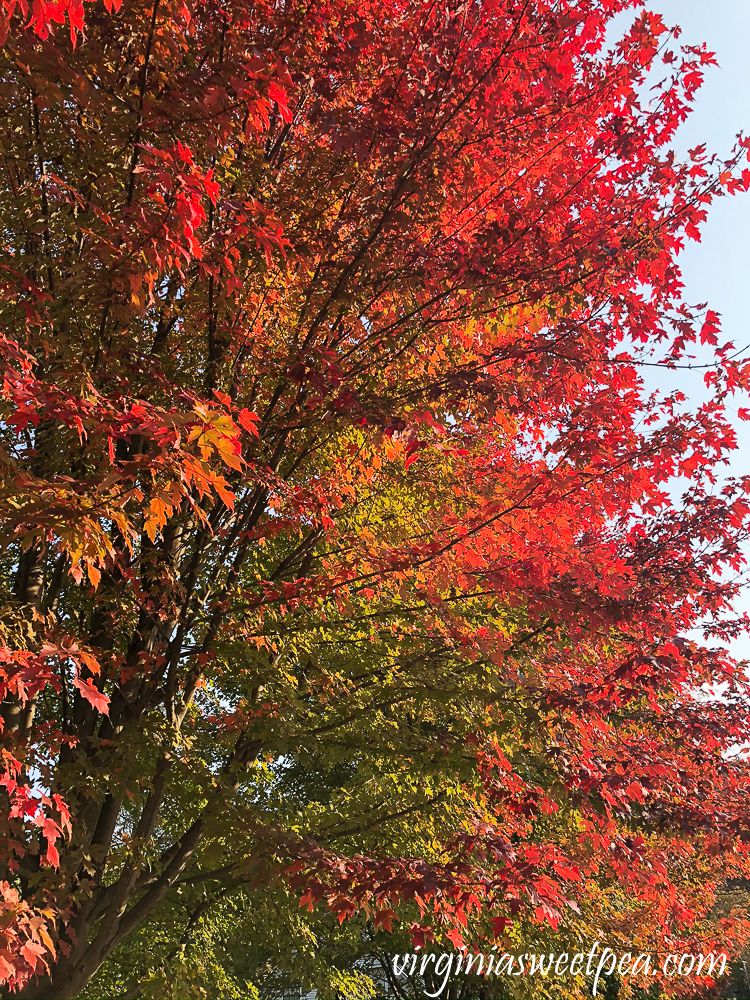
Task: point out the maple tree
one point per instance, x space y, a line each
333 503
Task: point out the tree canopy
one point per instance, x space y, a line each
345 591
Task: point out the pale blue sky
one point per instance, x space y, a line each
717 270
